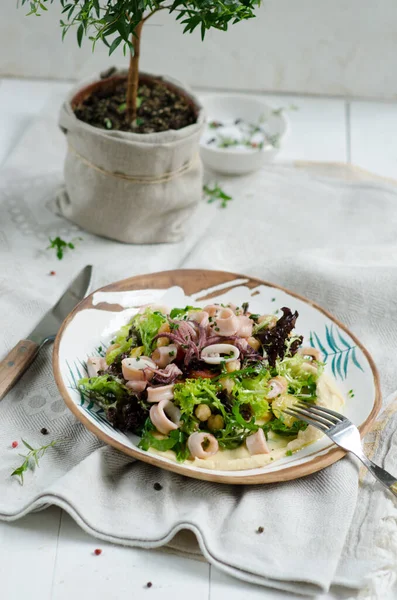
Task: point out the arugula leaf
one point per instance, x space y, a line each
176 441
278 426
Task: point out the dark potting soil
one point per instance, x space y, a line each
159 109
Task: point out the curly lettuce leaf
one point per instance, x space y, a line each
301 383
191 392
147 325
105 390
253 391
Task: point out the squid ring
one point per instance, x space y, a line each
196 441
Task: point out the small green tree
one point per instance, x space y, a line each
120 22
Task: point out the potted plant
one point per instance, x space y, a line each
132 171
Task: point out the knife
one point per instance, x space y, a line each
24 353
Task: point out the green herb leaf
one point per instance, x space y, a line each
216 193
28 446
80 33
60 245
115 44
34 455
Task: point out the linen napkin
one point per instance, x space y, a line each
326 233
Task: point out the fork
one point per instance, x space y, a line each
341 431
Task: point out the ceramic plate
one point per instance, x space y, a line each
90 327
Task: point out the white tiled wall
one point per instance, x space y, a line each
335 47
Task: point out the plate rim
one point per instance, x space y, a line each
292 472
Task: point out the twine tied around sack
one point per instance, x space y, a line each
169 176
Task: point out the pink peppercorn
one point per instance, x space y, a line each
97 551
14 444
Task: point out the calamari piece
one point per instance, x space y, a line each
226 322
312 352
216 353
95 364
129 366
162 392
137 385
200 317
164 355
244 326
256 443
278 386
212 309
202 445
165 416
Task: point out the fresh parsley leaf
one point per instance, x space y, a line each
61 245
216 193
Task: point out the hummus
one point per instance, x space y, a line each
240 459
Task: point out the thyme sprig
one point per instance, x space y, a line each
32 458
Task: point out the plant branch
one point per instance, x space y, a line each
153 12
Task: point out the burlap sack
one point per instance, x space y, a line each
134 188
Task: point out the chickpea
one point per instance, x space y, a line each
203 412
215 422
138 351
254 343
163 341
233 365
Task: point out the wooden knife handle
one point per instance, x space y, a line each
15 364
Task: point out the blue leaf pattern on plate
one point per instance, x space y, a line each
335 347
96 412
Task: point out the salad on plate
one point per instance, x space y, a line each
209 385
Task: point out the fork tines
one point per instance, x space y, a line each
319 416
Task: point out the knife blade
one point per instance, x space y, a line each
24 353
48 327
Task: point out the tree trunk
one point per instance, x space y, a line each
133 75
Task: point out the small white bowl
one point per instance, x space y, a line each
240 159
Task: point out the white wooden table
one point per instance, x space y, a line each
46 556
